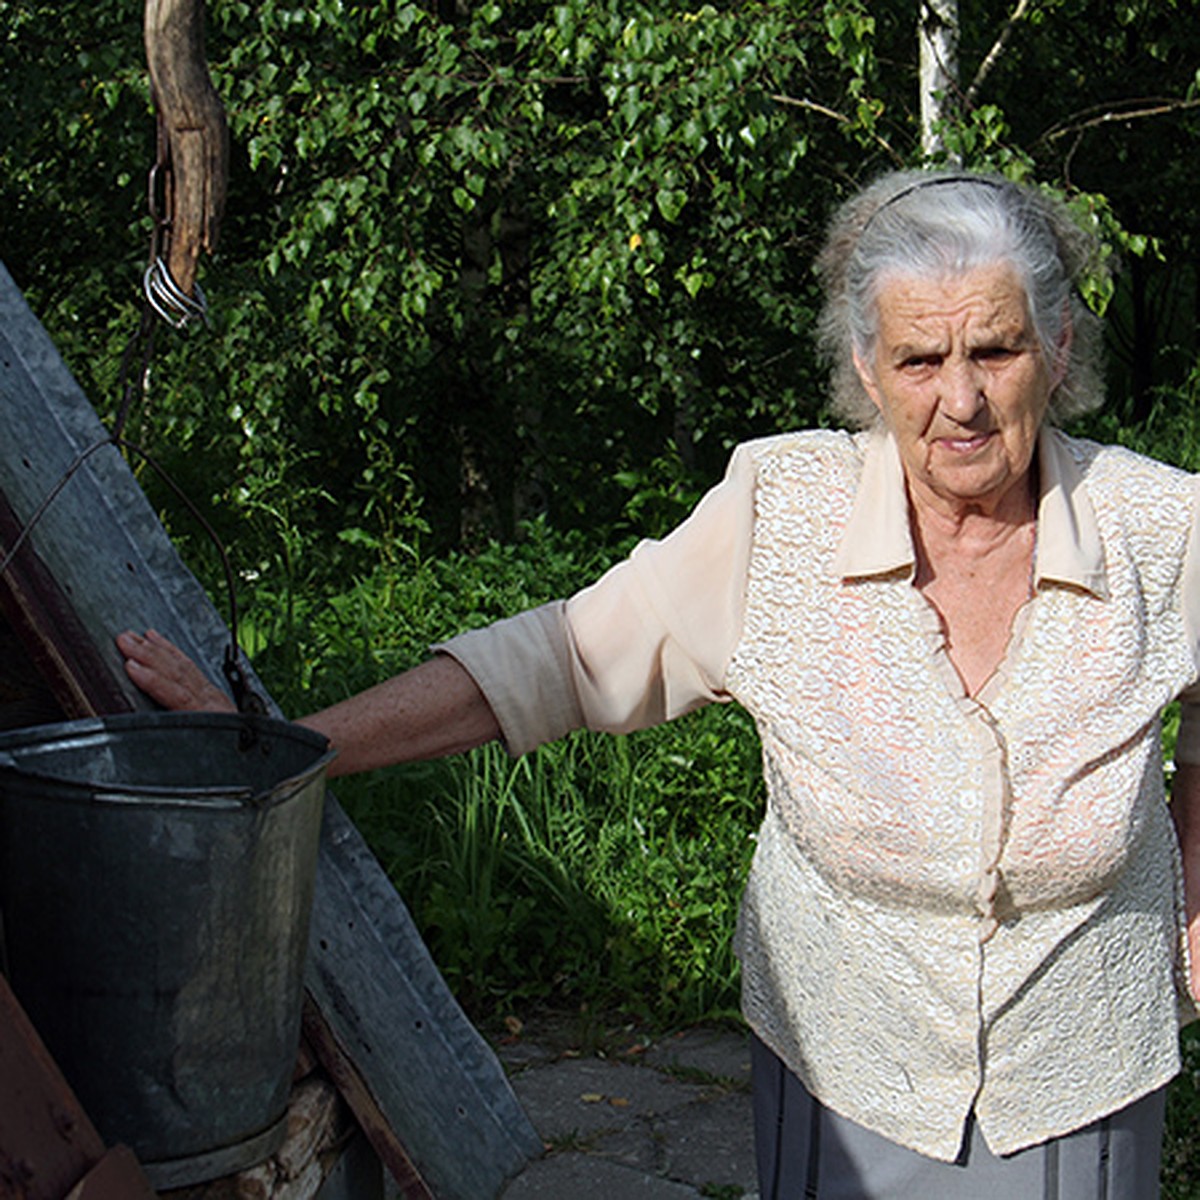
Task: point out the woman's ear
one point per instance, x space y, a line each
867 378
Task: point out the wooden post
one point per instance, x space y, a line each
193 121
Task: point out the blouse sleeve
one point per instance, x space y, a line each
1187 746
649 641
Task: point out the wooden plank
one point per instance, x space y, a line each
117 1176
357 1094
44 620
46 1139
434 1079
426 1066
100 543
25 698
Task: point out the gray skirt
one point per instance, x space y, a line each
806 1152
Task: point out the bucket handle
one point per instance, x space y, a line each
244 697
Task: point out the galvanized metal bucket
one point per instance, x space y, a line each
156 883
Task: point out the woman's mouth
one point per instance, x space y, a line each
966 443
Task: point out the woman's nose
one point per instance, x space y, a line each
961 390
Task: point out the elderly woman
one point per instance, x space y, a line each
963 937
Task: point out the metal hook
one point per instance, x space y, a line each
167 299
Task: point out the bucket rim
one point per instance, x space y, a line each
151 795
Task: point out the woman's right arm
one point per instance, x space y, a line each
644 644
430 711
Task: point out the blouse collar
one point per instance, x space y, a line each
877 540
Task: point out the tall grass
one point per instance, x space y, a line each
596 870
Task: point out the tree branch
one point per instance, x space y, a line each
1144 107
993 55
813 106
937 71
194 122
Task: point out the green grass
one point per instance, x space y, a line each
595 870
1181 1145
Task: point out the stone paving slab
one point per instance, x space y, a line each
717 1053
582 1177
656 1118
711 1143
583 1096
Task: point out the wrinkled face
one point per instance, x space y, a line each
959 376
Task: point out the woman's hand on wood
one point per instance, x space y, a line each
430 711
166 674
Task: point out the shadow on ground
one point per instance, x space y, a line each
626 1115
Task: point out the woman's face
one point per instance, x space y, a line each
959 376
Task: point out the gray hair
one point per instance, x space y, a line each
927 223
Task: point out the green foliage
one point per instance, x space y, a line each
476 268
596 870
501 243
314 646
1170 431
1181 1149
486 261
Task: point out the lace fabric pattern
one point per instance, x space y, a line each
963 902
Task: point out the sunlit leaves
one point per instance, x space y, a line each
561 243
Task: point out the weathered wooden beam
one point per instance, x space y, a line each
43 618
357 1093
49 1149
193 119
427 1067
433 1078
117 1176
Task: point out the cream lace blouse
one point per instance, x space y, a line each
956 903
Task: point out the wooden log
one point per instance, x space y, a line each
316 1120
319 1128
197 135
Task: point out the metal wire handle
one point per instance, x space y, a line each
164 295
246 699
164 298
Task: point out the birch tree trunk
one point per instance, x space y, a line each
937 35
